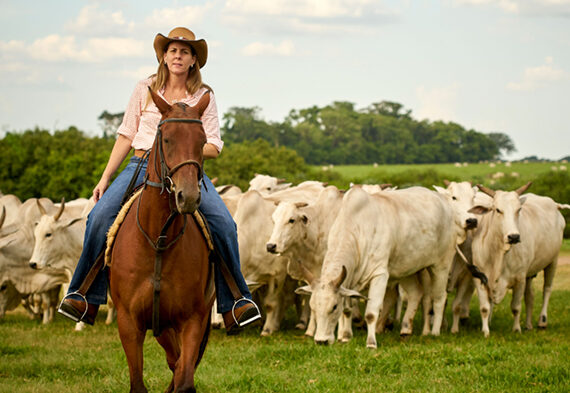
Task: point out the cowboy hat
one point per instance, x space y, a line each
181 34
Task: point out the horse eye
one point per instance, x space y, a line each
166 140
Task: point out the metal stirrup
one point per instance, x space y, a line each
234 307
78 294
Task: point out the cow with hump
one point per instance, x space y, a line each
375 241
518 236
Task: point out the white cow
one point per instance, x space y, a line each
374 237
517 237
300 234
9 214
253 219
266 184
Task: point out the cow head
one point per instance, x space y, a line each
290 226
50 239
267 184
501 233
460 196
327 299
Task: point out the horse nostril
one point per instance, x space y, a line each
514 239
271 247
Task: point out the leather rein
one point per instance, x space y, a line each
165 174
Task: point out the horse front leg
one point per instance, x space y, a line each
169 341
132 340
190 339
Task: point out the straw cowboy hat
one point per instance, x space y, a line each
181 34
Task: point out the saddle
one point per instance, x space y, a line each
198 218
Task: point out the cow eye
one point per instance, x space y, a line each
291 221
499 211
454 198
334 308
48 234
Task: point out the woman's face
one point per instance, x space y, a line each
178 57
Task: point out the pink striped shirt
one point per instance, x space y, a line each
140 123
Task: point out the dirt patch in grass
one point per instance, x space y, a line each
564 260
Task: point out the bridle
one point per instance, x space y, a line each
165 173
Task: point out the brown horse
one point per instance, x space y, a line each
185 285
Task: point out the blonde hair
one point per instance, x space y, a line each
193 82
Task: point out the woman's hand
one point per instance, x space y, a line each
100 188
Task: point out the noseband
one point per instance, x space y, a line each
166 173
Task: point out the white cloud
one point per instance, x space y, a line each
523 7
437 103
285 48
307 16
93 21
540 76
166 18
139 73
56 48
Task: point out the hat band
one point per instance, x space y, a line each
180 38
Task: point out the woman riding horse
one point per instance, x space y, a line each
178 79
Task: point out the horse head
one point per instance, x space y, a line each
177 156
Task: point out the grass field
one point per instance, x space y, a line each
54 358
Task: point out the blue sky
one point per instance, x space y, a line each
489 65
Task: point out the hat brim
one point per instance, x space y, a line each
199 46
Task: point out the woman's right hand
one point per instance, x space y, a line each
100 188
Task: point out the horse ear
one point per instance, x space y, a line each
163 106
203 103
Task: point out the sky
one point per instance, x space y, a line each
489 65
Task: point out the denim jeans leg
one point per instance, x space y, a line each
99 221
224 233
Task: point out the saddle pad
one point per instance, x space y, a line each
112 233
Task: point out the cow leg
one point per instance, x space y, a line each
390 300
132 340
528 302
547 291
305 313
460 306
169 341
484 307
439 295
111 311
345 321
273 304
427 299
310 332
375 299
415 293
516 304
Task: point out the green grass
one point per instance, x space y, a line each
54 358
464 172
565 249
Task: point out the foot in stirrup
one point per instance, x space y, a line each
75 310
241 316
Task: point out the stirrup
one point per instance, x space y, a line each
73 317
248 320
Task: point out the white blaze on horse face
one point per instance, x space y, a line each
326 304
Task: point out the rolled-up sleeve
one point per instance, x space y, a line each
211 124
132 116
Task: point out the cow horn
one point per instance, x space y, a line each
307 273
301 204
337 283
281 181
3 216
214 180
60 211
446 182
486 190
42 209
224 188
522 189
385 186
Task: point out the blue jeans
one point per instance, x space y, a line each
103 214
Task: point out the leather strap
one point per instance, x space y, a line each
228 277
95 269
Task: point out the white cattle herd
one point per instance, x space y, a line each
327 250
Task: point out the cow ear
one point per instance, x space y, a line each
73 221
351 293
479 209
304 290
